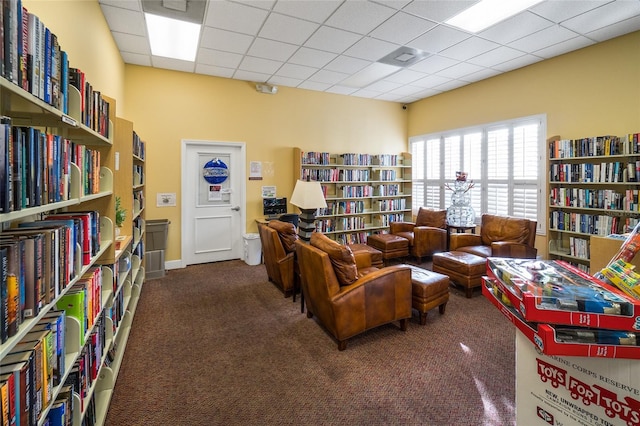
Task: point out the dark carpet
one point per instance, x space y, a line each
217 344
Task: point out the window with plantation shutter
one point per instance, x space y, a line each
504 160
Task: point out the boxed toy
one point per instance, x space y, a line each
562 339
555 292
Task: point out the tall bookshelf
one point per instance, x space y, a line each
594 186
90 188
125 261
364 192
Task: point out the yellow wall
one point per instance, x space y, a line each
168 106
89 45
589 92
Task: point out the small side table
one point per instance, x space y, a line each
459 229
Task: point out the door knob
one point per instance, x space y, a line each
236 208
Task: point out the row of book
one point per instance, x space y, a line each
138 146
579 247
342 207
32 58
394 204
313 157
138 175
39 259
607 199
617 172
590 224
32 369
387 190
386 219
352 238
595 146
36 167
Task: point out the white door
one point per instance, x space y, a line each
213 200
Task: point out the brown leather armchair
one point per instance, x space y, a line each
278 248
500 236
345 301
428 235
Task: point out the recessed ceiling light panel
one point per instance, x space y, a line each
485 13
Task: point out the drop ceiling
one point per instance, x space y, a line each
328 45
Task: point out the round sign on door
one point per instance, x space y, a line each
214 185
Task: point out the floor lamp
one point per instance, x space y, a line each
308 197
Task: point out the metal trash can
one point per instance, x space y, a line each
252 249
156 231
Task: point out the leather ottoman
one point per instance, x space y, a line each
376 255
390 245
428 290
464 269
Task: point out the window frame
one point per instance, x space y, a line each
433 186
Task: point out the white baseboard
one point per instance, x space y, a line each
173 264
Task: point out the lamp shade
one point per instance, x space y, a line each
308 195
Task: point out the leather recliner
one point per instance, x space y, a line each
357 301
277 239
500 236
428 235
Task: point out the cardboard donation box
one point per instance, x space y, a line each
567 390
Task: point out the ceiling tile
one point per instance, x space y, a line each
616 30
558 11
346 64
603 16
564 47
251 76
468 48
332 40
311 57
172 64
270 49
266 66
227 41
219 58
371 49
125 21
311 10
314 85
433 64
223 15
430 81
329 77
285 28
480 75
136 59
516 27
496 56
262 4
544 38
124 4
366 93
296 71
438 39
519 62
341 90
132 43
383 86
453 84
405 76
215 71
285 81
459 70
401 28
359 16
437 10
